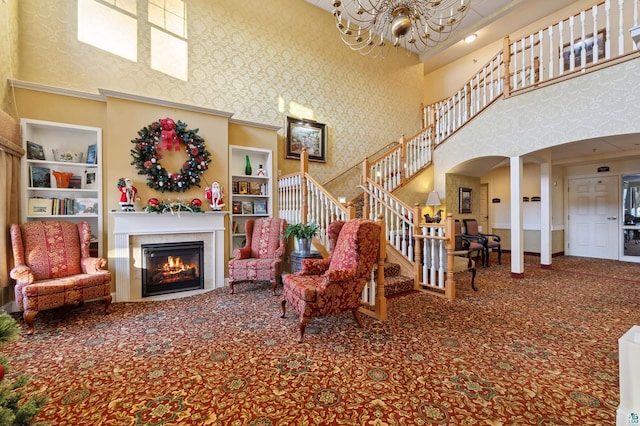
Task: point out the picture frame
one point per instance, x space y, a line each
588 44
90 179
92 155
243 187
464 200
35 151
40 206
40 177
306 134
260 207
247 207
86 206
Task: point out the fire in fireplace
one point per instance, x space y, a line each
172 267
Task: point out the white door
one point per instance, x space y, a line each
593 217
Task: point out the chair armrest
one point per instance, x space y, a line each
92 265
336 275
314 266
495 237
22 274
478 238
242 253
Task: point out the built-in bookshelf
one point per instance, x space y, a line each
251 196
61 174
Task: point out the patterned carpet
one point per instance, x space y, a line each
541 350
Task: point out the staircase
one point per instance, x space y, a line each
396 284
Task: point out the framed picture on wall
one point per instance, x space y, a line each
464 200
306 134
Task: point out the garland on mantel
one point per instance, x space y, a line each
165 134
156 206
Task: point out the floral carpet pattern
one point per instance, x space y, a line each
540 350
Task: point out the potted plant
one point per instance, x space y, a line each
303 232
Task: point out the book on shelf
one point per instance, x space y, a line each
40 206
260 207
40 177
255 188
247 207
86 206
234 187
34 151
236 207
243 187
236 227
92 155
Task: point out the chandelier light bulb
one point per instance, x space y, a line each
415 25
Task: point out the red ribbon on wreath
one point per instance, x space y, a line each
169 136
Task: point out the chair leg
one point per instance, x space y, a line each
487 253
303 326
274 284
284 308
28 318
356 315
108 308
231 286
499 255
473 279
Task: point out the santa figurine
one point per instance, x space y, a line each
128 194
215 195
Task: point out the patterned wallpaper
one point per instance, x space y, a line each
8 52
253 58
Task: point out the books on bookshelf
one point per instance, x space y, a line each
40 177
260 207
236 207
86 206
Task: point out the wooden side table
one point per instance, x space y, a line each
297 256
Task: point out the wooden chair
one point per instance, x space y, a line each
491 241
474 244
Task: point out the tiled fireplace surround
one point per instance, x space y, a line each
132 229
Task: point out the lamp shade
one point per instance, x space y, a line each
433 199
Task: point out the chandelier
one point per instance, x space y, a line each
371 27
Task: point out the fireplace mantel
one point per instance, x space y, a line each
129 226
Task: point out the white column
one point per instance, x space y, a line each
517 233
545 214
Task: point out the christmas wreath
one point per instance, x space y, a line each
165 135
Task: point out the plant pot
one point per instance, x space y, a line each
304 245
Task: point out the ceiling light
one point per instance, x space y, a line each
372 27
470 38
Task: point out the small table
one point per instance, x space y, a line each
297 256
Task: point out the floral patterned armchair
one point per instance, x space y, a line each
335 284
262 256
53 267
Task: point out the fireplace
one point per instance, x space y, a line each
172 267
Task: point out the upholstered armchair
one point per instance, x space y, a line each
262 256
53 267
491 241
335 284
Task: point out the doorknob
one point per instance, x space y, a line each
612 218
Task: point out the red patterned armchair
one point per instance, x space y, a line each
262 256
53 267
333 285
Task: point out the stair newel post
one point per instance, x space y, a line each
351 210
364 181
381 300
403 159
449 232
304 169
506 60
417 257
